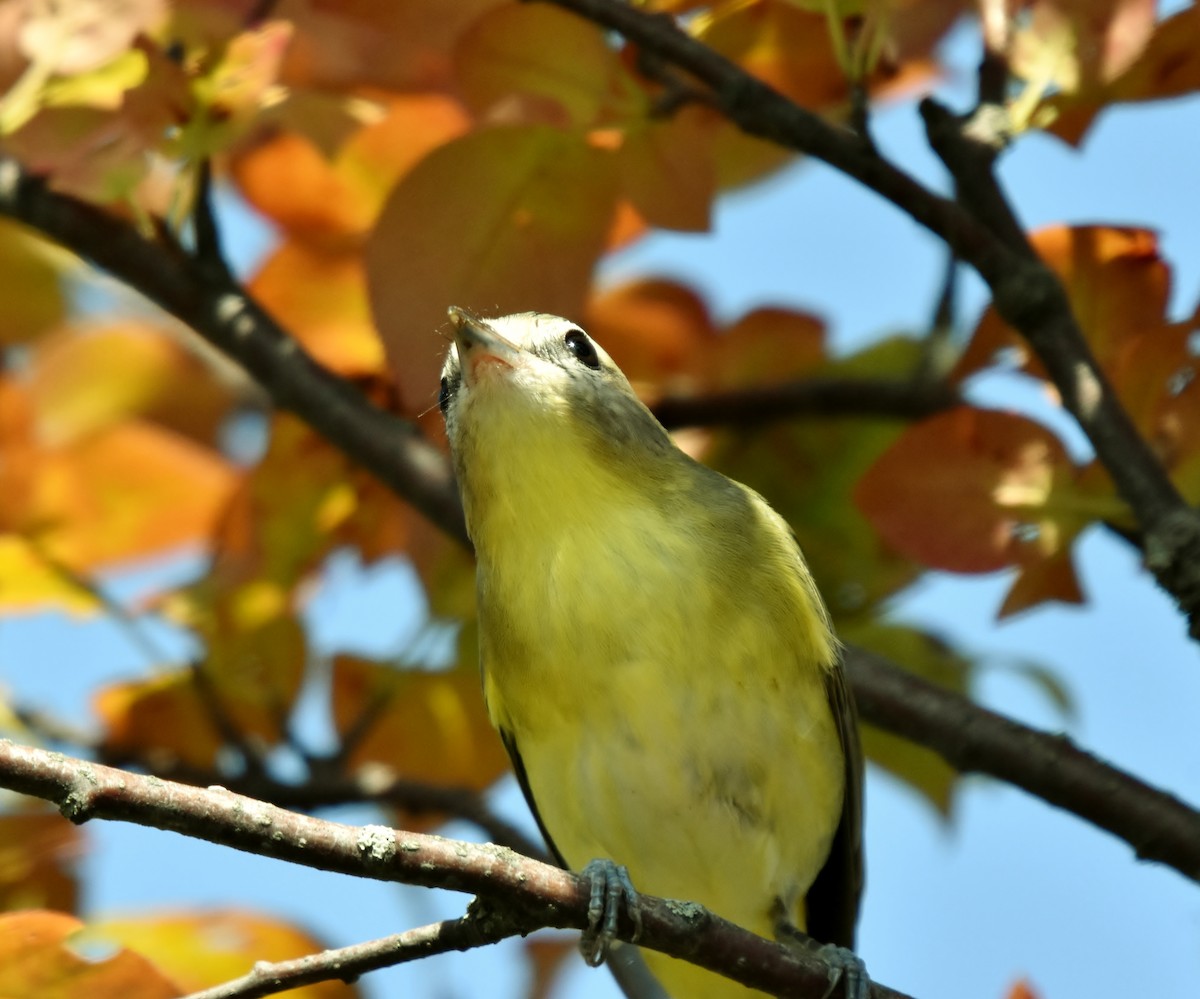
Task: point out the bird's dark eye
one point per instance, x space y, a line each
444 396
585 352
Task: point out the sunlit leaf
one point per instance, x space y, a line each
1117 283
29 581
79 36
1168 65
320 296
974 490
424 726
202 950
1079 45
531 63
39 960
502 220
334 200
83 380
38 854
125 492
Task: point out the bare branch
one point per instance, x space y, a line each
545 895
909 399
972 739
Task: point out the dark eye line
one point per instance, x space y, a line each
582 348
444 395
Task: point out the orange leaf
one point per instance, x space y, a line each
1117 283
126 492
1022 990
168 718
657 330
1053 578
38 851
968 490
85 380
334 201
292 183
202 950
423 726
502 220
320 296
668 170
37 961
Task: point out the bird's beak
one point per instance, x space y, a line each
479 344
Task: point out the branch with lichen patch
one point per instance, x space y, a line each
537 894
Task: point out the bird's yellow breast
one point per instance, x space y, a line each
660 668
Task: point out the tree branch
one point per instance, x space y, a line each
545 896
219 310
1026 292
904 399
972 739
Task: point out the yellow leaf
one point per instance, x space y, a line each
423 726
82 380
202 950
38 961
31 275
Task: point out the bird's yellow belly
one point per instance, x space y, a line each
722 787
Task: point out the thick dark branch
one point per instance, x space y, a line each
909 400
1026 292
548 896
220 311
972 739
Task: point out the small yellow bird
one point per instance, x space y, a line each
655 654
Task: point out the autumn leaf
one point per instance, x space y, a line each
501 220
423 726
82 380
531 63
39 851
332 201
1117 283
203 950
970 490
39 959
1167 65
